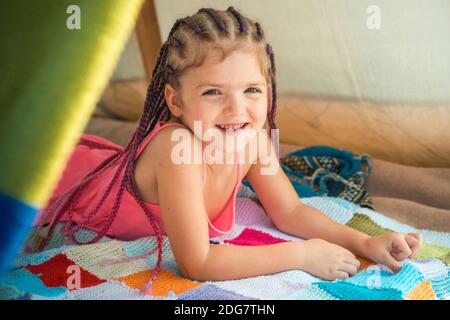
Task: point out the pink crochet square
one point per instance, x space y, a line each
252 237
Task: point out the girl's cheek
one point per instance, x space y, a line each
258 117
261 110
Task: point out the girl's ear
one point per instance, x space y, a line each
172 100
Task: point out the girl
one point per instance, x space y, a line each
217 68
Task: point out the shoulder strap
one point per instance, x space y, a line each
157 128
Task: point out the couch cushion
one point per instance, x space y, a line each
408 134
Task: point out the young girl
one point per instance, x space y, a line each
217 68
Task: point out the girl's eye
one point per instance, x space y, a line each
212 92
253 90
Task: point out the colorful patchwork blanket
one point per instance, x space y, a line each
78 272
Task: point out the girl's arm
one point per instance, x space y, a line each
291 216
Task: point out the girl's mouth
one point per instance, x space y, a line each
232 129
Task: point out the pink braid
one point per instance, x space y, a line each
60 204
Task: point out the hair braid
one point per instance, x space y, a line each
259 32
242 24
213 14
272 71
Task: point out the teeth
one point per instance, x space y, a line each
231 126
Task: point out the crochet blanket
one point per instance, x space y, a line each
76 272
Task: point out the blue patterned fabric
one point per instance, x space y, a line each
327 171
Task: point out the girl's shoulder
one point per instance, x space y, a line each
155 163
166 143
168 136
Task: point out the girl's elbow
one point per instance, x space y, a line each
194 269
193 272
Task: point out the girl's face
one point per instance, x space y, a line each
222 94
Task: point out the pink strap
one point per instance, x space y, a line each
204 174
155 130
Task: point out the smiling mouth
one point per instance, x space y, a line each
232 127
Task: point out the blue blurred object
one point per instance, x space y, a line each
16 218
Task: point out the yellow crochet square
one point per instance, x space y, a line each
90 258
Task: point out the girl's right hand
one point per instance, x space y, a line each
327 260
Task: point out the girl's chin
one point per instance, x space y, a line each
220 150
229 141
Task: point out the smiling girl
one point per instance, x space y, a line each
217 68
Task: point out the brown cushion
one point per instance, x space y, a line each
415 135
117 131
122 100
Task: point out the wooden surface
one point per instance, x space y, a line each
148 35
417 135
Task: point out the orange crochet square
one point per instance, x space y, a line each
423 291
165 281
364 263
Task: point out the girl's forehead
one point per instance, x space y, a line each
218 56
237 64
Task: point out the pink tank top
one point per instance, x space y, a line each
130 223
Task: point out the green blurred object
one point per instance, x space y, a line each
51 78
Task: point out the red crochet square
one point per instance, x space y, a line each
56 272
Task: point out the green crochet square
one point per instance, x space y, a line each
365 224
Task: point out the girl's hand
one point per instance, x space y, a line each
327 260
391 248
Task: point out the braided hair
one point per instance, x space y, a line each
186 46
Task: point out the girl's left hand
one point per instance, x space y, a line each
391 248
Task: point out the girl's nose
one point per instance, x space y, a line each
235 106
